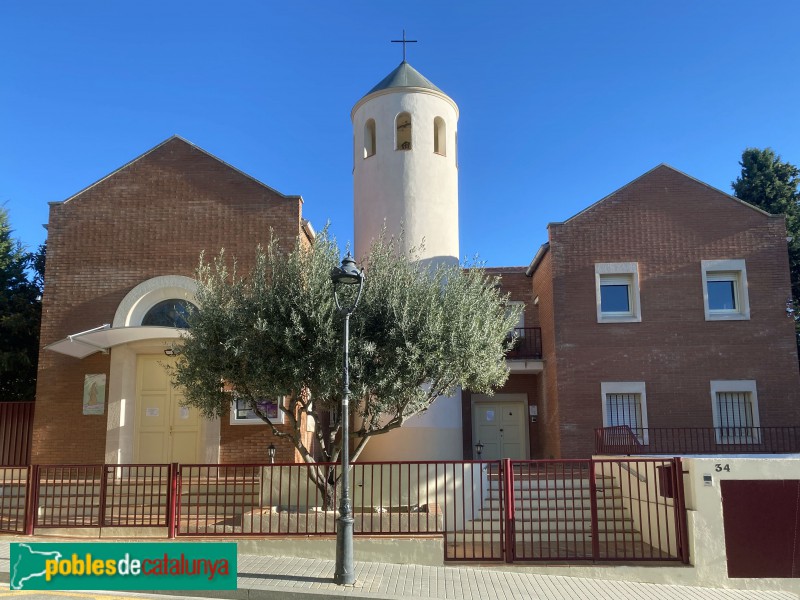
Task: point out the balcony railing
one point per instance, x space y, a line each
622 439
528 344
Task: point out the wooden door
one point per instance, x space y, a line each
166 431
500 427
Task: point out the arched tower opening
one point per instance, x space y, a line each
369 138
402 126
439 136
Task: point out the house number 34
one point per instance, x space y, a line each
720 467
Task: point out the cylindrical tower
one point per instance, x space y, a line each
405 169
405 176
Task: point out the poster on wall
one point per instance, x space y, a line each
94 394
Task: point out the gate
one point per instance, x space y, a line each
598 510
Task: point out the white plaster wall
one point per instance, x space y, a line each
436 434
415 190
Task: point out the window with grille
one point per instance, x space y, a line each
625 410
735 418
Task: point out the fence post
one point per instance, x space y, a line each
593 505
508 498
31 498
103 493
172 499
681 525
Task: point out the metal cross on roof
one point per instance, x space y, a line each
404 41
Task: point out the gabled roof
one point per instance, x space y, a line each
178 138
674 170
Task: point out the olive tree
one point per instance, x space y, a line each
417 335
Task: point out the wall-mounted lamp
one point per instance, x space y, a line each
271 453
479 449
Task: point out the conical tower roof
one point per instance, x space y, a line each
404 76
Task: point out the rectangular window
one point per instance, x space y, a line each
617 290
725 290
625 408
735 410
241 414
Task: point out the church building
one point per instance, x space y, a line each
661 307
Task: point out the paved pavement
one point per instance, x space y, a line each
285 578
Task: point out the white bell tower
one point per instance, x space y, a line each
405 170
405 174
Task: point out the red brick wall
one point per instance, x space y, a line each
668 223
151 218
518 287
249 443
549 416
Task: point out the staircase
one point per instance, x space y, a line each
552 518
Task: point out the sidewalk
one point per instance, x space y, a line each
267 578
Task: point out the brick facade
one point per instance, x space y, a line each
152 217
668 223
155 215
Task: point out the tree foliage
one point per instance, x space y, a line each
772 185
20 315
416 335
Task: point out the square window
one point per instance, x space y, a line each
617 289
242 414
615 297
735 411
725 290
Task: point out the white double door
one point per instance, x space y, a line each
166 431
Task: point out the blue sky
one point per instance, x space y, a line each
561 102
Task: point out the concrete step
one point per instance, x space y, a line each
561 526
485 537
560 512
558 496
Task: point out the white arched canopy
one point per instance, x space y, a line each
127 325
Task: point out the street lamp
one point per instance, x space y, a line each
347 274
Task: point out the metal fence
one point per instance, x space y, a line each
77 496
13 499
600 510
487 511
402 498
16 427
672 441
528 344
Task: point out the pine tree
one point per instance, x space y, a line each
20 315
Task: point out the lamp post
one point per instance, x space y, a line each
347 274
